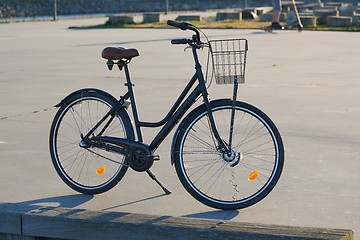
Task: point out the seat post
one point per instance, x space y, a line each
130 85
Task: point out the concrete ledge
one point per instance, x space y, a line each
333 4
220 16
308 20
268 17
151 17
10 223
337 21
263 10
121 19
311 6
188 18
356 19
323 13
25 222
249 13
347 11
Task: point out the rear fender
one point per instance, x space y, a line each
91 91
83 92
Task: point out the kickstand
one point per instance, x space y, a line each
157 181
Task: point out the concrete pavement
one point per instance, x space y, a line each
308 83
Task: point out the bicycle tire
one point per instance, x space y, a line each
87 170
214 179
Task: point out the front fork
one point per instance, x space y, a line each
223 146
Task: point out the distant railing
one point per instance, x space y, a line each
55 8
166 8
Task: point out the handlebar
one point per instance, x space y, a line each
184 26
181 41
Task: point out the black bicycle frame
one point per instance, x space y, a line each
180 107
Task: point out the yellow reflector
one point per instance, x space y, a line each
100 170
253 175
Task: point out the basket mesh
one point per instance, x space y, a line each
228 60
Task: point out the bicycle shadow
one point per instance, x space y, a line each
134 202
68 201
215 215
75 200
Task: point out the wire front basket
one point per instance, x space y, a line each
228 60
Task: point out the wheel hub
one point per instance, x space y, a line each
84 144
231 157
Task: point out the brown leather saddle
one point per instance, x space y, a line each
119 53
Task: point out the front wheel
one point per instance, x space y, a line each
235 179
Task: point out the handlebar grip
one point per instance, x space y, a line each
185 26
180 41
182 25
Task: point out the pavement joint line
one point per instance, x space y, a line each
28 113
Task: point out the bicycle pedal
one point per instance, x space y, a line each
153 157
150 157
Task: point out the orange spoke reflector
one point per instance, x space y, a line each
100 170
253 175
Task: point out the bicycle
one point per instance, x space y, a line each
227 154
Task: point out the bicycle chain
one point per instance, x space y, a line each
99 155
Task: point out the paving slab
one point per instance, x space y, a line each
308 83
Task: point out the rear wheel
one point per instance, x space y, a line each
235 179
87 169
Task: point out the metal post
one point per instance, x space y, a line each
166 6
55 10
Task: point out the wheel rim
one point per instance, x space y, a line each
86 168
224 180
